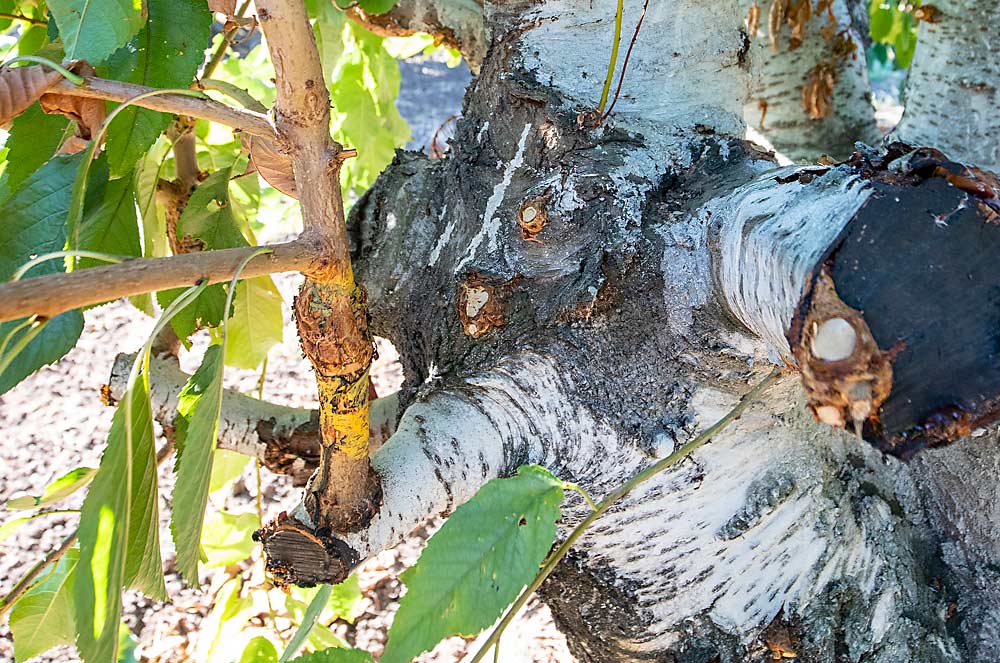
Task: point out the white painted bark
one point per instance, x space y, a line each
241 414
778 80
952 93
772 236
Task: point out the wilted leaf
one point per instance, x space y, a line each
22 86
273 166
227 7
11 526
198 407
43 617
476 564
59 489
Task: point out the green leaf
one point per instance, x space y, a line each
11 526
307 622
154 225
226 538
476 564
93 29
43 617
223 624
58 337
34 138
165 54
259 650
363 93
59 489
127 644
198 408
34 218
111 227
256 324
226 467
335 655
119 537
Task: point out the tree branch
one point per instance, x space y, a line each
284 439
257 124
48 296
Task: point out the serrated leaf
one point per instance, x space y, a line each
59 489
165 54
476 564
198 408
111 226
34 218
119 537
259 650
226 538
43 617
205 311
335 655
93 29
51 344
255 324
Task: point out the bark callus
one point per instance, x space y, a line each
919 260
297 556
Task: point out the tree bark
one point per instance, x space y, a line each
952 93
831 46
589 298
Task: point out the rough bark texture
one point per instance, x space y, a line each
951 94
670 263
831 45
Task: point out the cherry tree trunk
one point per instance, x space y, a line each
588 298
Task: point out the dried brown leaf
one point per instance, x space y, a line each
227 7
21 86
817 95
274 166
87 113
798 15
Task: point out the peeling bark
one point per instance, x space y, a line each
780 81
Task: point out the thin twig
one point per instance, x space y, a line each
52 294
628 54
618 494
251 122
22 17
227 41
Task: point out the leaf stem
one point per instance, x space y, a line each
614 57
106 257
227 41
567 485
618 494
76 79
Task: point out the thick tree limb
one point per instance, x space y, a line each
284 439
50 295
206 109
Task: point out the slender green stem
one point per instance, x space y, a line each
567 485
106 257
21 17
67 74
33 330
615 496
614 57
234 92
